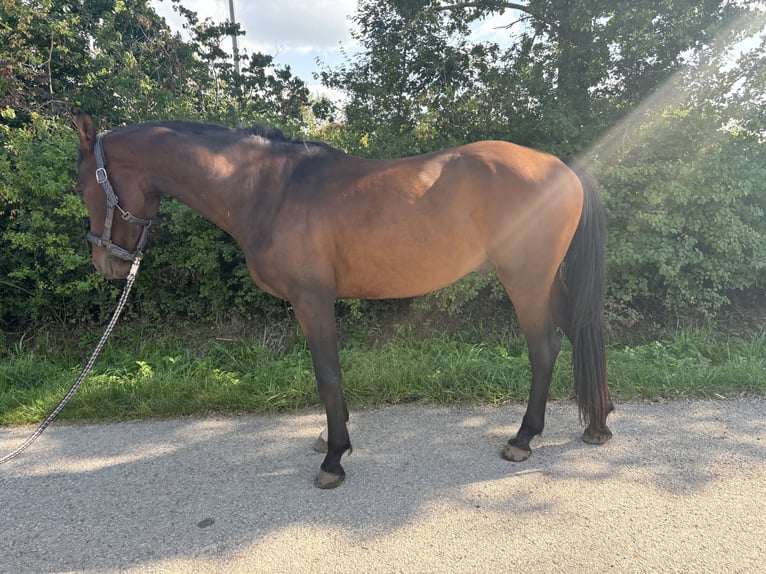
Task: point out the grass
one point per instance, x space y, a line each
162 374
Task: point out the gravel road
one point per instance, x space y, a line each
681 488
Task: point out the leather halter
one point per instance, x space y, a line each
105 240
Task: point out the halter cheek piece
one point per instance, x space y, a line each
111 203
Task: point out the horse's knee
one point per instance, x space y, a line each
544 349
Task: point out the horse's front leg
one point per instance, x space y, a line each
316 314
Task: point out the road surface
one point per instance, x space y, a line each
681 488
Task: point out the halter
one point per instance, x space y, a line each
105 240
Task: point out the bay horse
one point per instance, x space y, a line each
317 224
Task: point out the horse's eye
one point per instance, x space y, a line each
79 191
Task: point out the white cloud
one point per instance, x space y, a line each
297 25
295 32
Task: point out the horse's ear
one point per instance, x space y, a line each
86 129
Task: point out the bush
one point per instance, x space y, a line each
686 205
45 271
686 214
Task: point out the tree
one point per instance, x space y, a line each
409 82
115 57
569 71
684 181
260 92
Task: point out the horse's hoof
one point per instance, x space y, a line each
326 480
597 436
320 444
515 454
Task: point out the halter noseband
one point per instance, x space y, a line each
111 202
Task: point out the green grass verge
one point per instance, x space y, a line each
161 375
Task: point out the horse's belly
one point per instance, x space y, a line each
382 274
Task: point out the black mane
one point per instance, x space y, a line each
278 136
216 135
268 132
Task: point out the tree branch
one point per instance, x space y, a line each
554 26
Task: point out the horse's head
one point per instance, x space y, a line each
116 240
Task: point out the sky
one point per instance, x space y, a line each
297 32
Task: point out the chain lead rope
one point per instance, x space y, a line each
88 365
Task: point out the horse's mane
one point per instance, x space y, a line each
215 134
278 136
268 132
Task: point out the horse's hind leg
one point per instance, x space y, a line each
536 320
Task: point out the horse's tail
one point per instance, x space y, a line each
585 276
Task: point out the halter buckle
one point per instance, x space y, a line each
101 176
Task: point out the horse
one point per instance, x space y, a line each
317 224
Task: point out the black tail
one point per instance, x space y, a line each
585 276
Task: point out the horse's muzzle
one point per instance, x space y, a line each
112 267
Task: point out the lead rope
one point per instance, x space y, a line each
88 365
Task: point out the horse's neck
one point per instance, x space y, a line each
210 183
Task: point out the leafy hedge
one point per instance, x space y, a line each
45 267
686 207
194 269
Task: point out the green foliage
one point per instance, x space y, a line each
685 189
192 268
114 58
567 71
409 87
259 92
686 207
460 296
45 269
119 61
